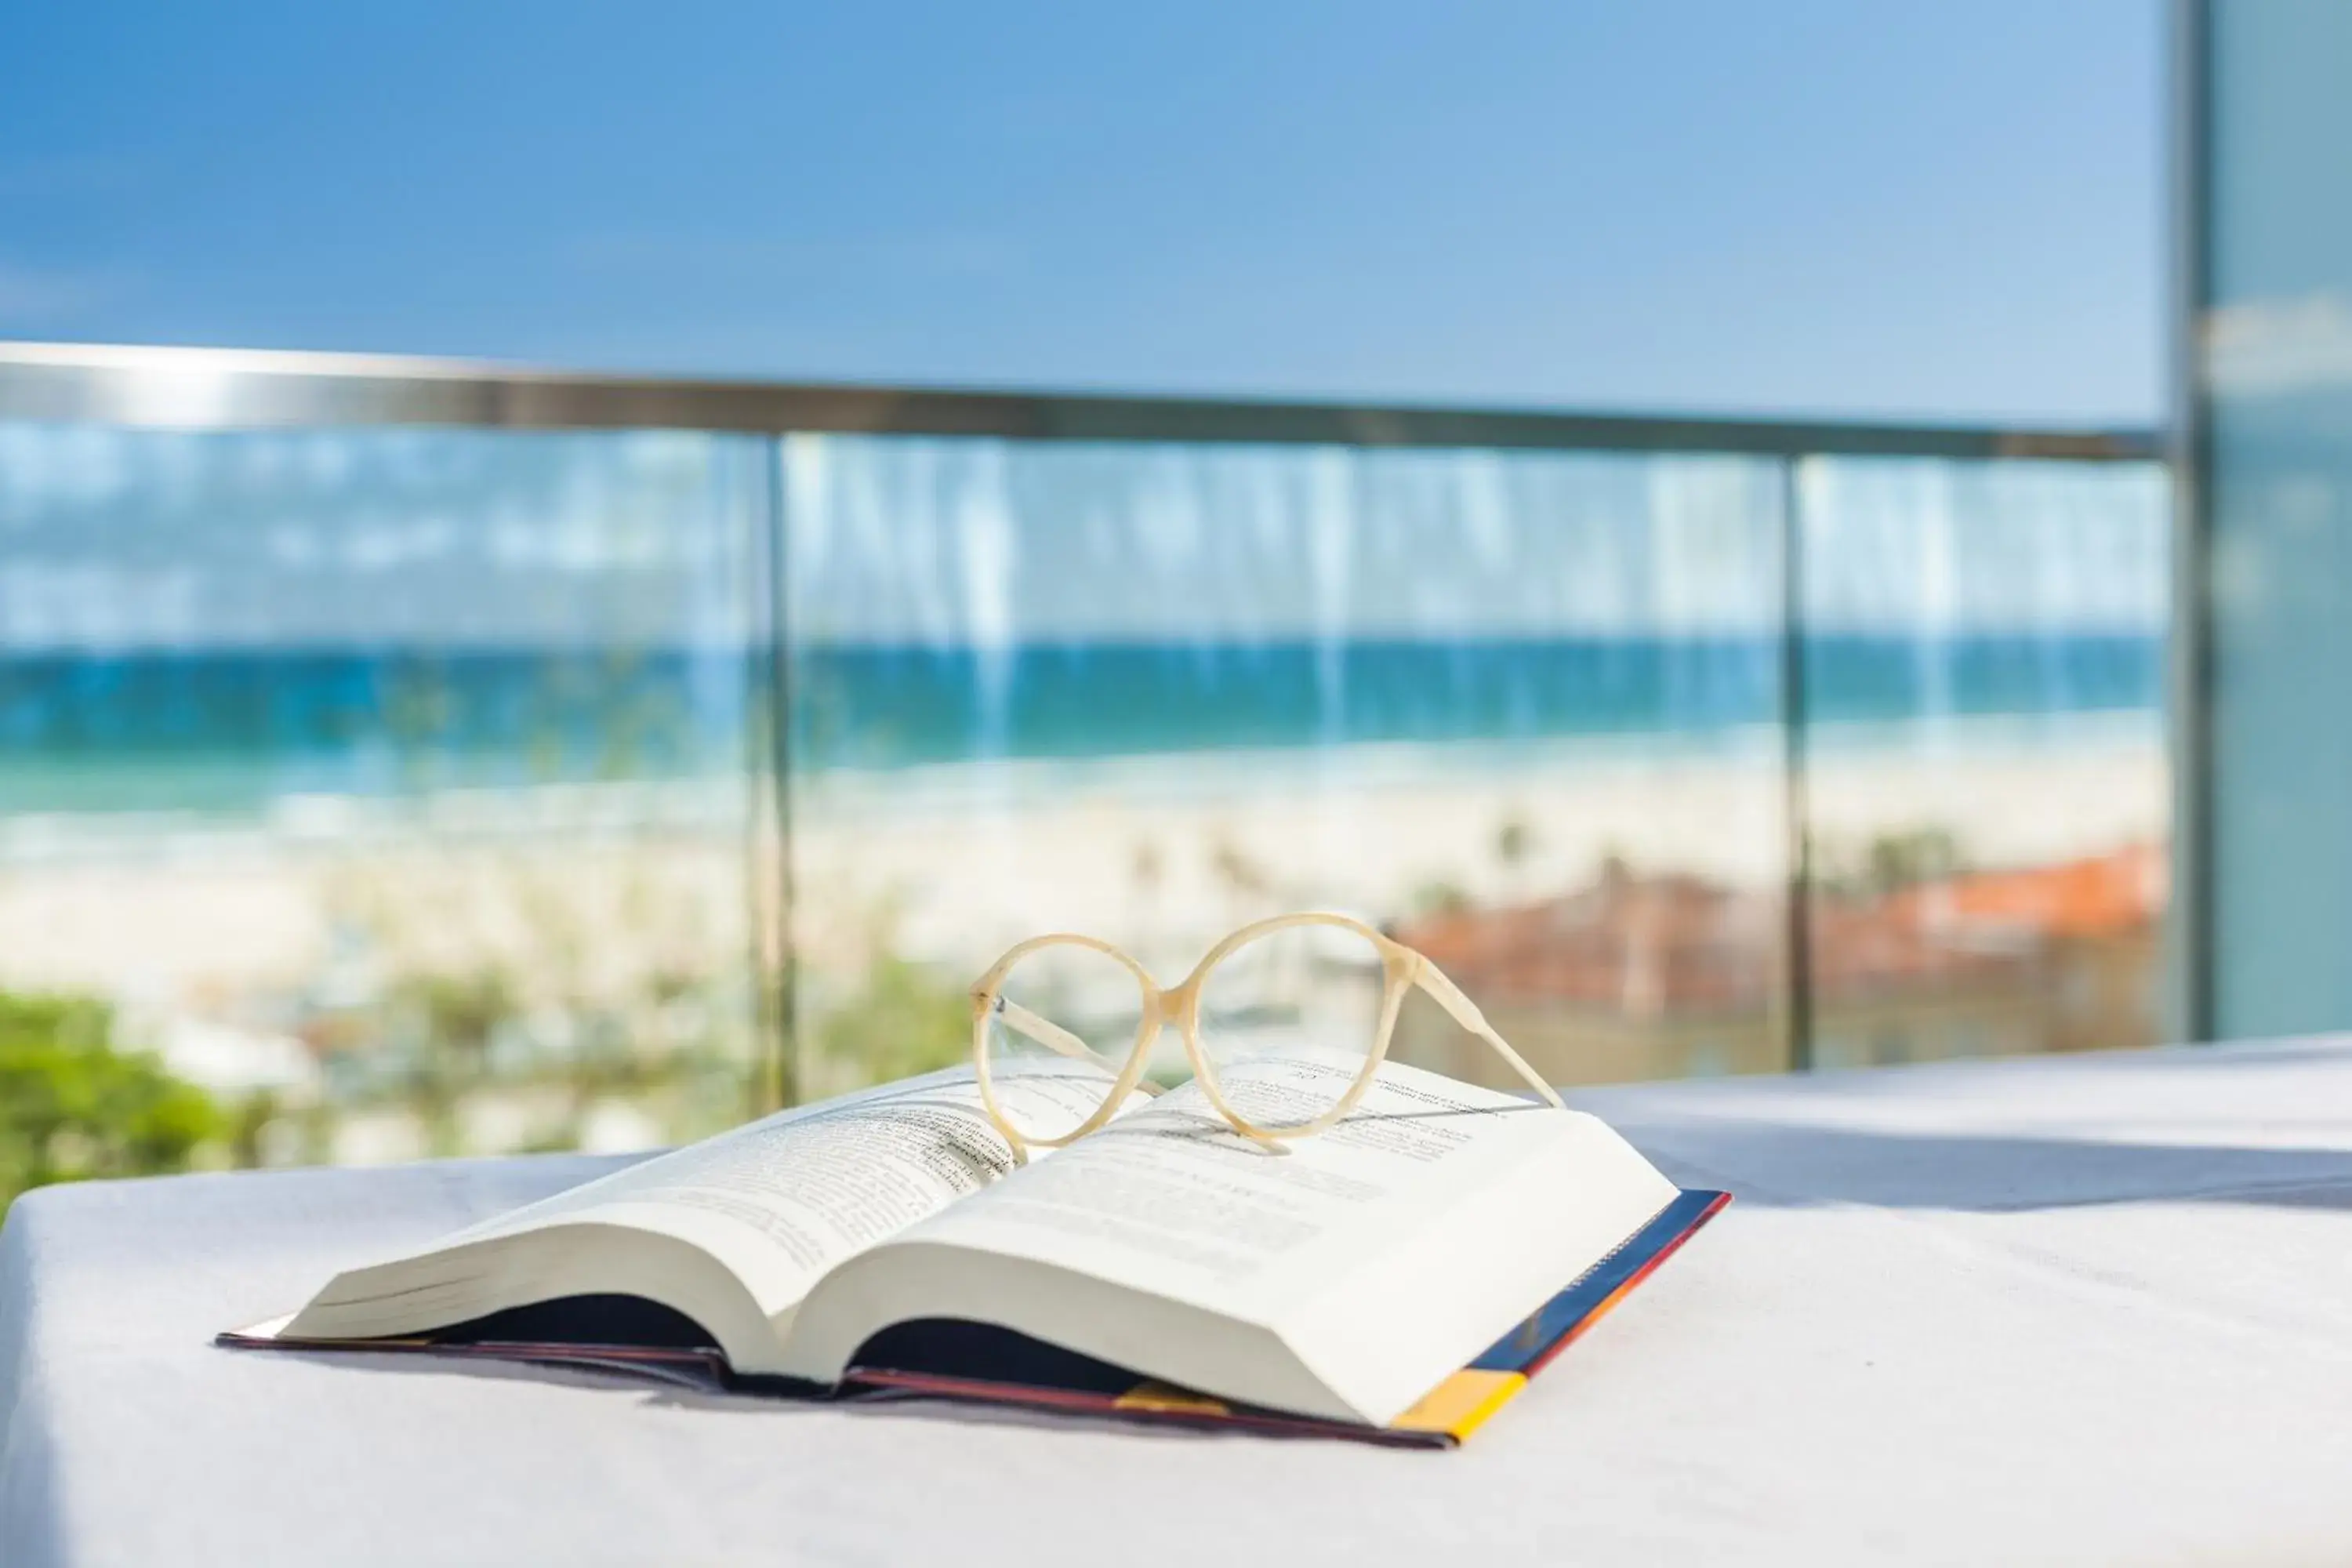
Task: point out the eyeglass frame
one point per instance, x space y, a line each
1402 968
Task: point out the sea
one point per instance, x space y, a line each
227 731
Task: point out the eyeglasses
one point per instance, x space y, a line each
1285 1023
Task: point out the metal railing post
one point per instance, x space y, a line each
1796 820
785 1068
2191 1006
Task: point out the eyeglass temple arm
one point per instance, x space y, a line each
1465 1013
1054 1038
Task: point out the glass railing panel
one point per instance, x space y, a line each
2274 388
1520 708
393 786
1989 793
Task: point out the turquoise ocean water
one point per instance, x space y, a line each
226 730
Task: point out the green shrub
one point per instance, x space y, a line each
72 1106
904 1018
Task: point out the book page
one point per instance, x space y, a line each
1174 1201
1348 1273
785 1199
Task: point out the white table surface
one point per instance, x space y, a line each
2089 1309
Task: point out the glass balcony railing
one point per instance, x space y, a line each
1988 786
411 782
1154 690
393 782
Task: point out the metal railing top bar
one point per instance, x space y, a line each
214 389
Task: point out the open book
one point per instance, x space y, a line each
887 1239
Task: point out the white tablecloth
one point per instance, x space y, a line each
2093 1309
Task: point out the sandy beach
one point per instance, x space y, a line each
957 862
977 859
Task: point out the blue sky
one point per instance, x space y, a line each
1905 210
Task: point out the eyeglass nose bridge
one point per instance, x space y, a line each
1178 1006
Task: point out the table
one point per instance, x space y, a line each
2078 1309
